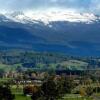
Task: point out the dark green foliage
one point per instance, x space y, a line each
37 95
53 88
5 93
49 89
1 73
30 59
89 91
26 91
66 84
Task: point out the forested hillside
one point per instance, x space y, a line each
38 60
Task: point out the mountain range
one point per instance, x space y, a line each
65 32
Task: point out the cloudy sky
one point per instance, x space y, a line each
77 5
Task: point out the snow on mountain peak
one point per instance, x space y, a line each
47 17
51 16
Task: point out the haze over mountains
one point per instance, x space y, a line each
65 32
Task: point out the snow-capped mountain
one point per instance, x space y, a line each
54 31
51 16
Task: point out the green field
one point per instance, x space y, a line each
18 92
7 68
19 95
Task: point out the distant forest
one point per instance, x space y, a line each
31 59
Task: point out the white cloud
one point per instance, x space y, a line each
79 5
95 6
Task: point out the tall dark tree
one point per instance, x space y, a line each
89 91
37 95
67 84
5 93
49 89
